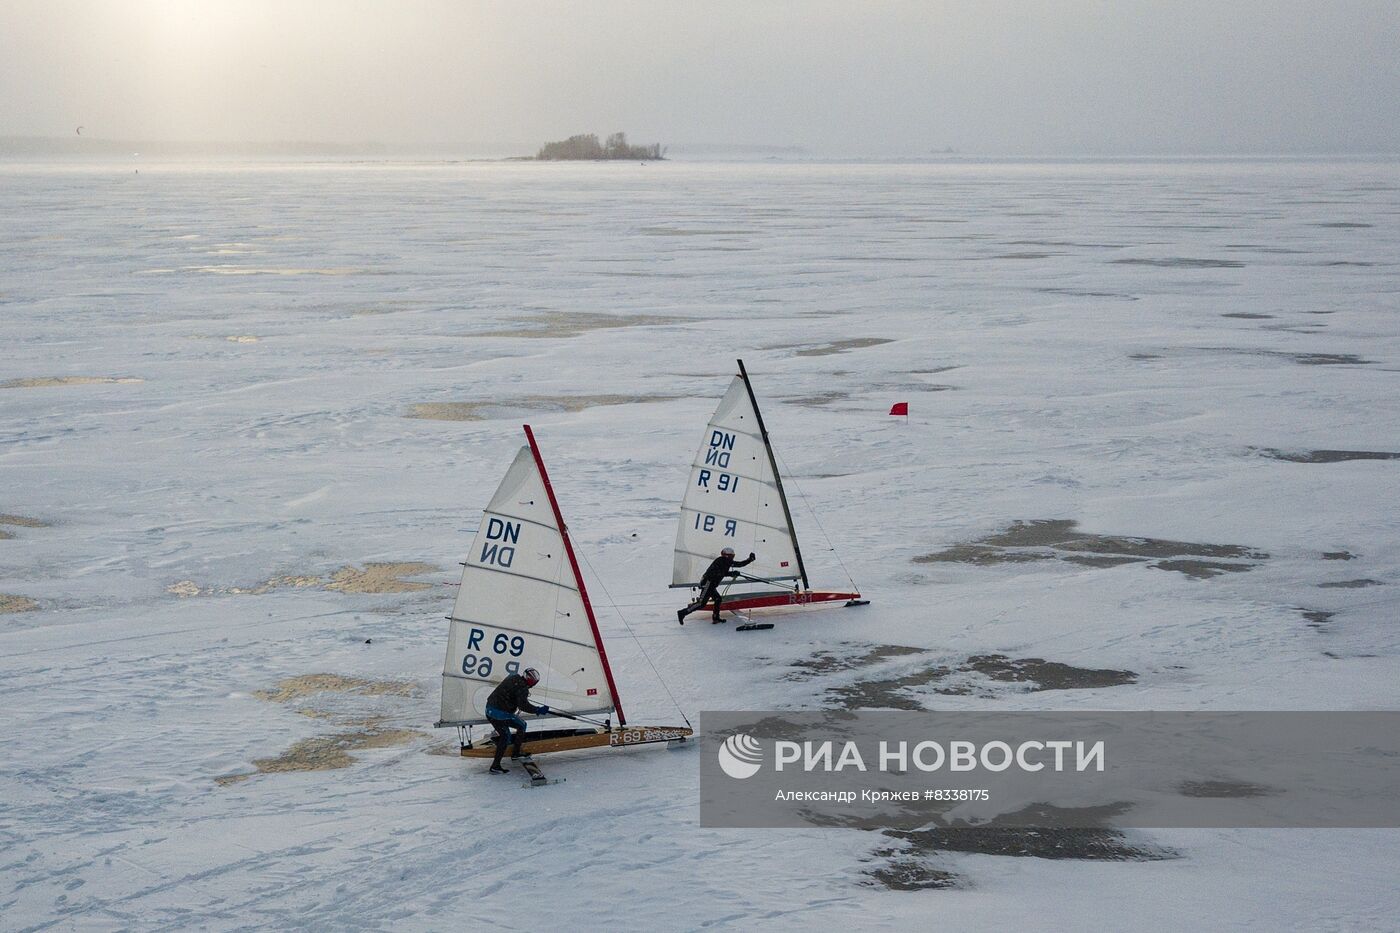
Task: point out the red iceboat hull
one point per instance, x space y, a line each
778 600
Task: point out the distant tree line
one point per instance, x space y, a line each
586 146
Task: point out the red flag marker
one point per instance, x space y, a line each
900 408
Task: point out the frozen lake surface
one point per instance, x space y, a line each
249 414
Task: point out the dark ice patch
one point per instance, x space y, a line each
1182 262
1046 675
1083 293
832 348
1323 359
1265 249
1326 456
1200 569
1225 789
1032 674
1099 560
886 693
556 324
907 874
1057 539
1060 533
1338 555
846 656
1088 843
818 401
1302 359
823 399
912 867
1247 316
19 521
1317 619
981 556
1350 584
512 407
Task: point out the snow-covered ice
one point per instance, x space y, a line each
221 386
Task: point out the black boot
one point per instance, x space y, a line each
680 616
497 769
716 620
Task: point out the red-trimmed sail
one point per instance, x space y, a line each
522 603
578 576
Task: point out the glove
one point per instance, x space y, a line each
752 555
541 710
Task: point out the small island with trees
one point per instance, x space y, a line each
587 147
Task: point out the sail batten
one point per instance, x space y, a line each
525 576
751 477
523 632
778 528
521 518
709 557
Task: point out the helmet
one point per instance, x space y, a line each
531 676
728 552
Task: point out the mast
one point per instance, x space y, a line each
578 577
777 478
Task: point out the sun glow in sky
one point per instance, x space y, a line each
876 76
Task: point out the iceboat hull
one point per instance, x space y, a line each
568 740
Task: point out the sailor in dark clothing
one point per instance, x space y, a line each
722 566
510 695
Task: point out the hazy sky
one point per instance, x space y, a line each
983 76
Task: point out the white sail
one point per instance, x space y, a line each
732 499
520 605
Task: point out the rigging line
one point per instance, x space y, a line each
640 648
596 722
778 583
815 518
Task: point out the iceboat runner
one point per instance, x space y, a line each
735 498
522 603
